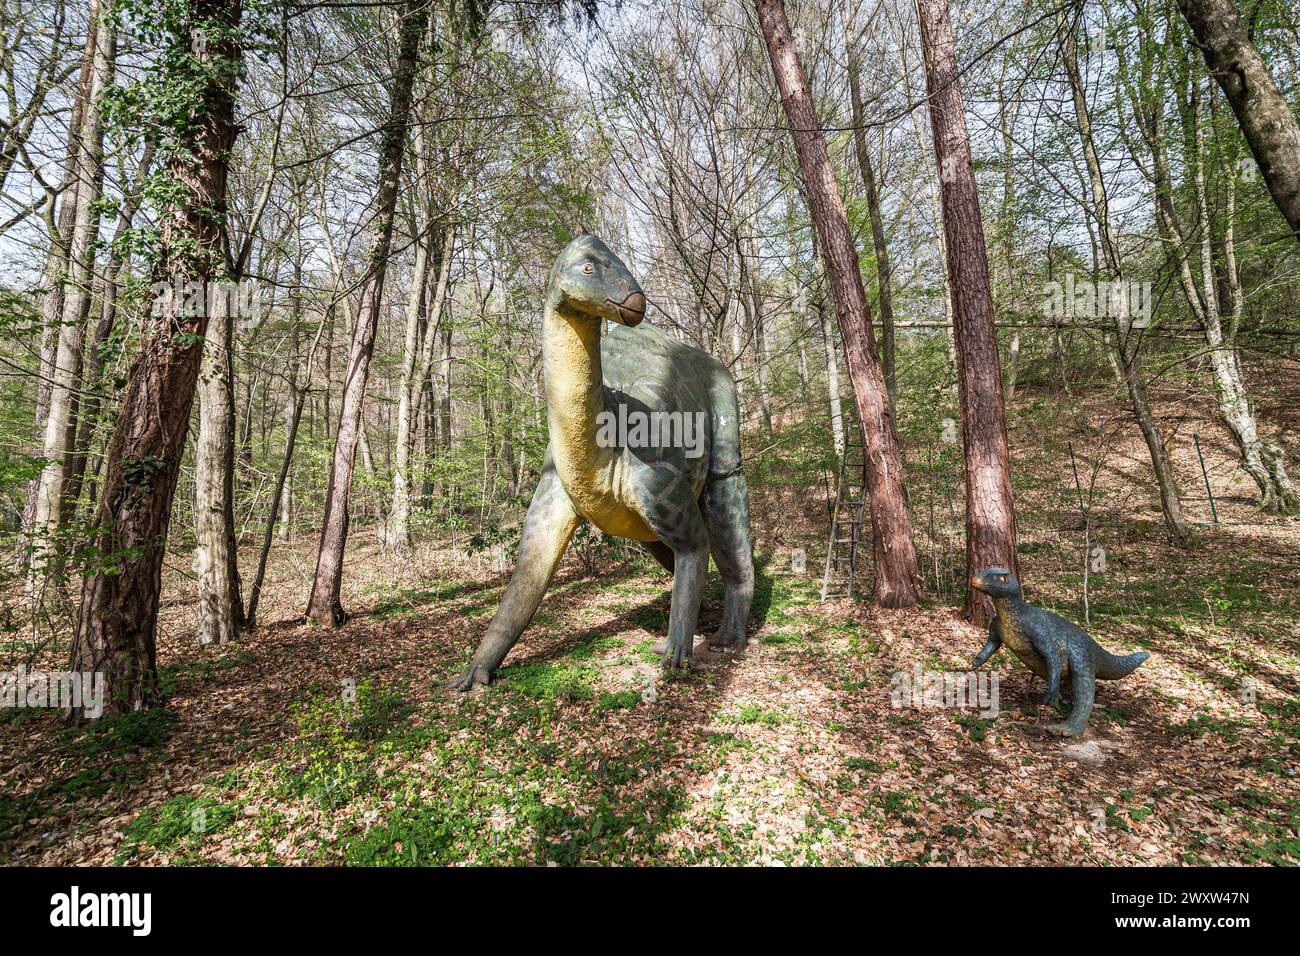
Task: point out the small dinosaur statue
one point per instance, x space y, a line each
1050 646
680 503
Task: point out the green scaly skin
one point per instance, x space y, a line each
681 507
1051 647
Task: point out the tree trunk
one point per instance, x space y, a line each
1260 459
107 286
897 578
325 603
444 394
60 228
297 401
1266 119
862 151
1006 226
221 606
832 380
1127 350
115 633
435 318
60 424
435 245
990 504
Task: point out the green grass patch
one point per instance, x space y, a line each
752 714
618 700
183 822
566 681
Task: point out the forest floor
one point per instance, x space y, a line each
311 745
789 752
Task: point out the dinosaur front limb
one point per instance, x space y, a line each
550 524
726 514
990 648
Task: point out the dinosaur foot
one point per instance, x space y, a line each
674 656
1064 729
728 639
471 676
677 659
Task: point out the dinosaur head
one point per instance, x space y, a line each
589 281
996 582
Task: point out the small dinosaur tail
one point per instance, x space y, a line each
1111 667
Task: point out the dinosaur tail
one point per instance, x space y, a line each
1111 667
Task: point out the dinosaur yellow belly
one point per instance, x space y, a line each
620 521
1015 641
602 494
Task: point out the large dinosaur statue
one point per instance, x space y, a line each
1050 646
680 503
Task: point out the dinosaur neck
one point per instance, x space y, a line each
1008 603
571 363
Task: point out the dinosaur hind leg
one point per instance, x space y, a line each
674 516
726 512
1083 688
550 524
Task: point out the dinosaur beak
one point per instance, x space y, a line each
975 582
632 309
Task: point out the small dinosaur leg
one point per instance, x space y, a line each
726 514
550 524
1082 683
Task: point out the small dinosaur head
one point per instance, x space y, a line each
589 281
996 582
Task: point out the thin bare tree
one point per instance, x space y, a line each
897 577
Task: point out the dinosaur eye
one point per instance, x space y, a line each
588 268
1002 578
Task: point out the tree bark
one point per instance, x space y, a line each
1264 115
221 607
897 578
60 229
326 603
107 285
990 504
1006 226
115 633
433 248
832 380
60 424
862 151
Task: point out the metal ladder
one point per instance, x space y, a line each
846 517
